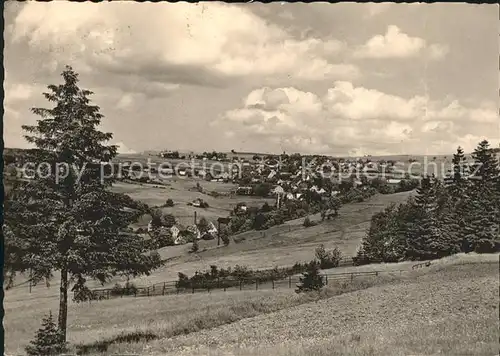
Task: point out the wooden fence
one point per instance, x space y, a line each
226 284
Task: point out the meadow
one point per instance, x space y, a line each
385 315
412 313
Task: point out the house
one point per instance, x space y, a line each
278 190
211 232
393 181
193 229
244 190
197 202
241 208
182 172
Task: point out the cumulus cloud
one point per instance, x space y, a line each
396 44
124 149
179 43
349 119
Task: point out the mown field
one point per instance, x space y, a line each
182 191
450 308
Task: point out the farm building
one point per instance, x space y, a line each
244 190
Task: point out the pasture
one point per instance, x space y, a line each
390 315
279 246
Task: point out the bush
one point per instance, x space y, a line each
262 189
308 222
48 340
311 280
224 235
328 259
195 247
169 203
266 208
127 289
204 205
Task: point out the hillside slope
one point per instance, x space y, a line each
451 310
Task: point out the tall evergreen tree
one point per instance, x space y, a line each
72 223
483 209
428 237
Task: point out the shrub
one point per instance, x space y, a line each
203 225
128 289
262 189
224 235
195 247
48 340
328 259
204 205
311 279
308 222
169 203
183 281
266 208
165 238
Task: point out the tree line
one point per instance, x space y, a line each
463 216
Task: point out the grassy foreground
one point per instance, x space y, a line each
450 307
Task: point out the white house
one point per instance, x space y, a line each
278 190
393 181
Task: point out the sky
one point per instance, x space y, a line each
337 79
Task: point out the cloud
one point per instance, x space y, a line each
396 44
124 149
350 119
18 92
180 43
374 9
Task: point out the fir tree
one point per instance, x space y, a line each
482 212
72 223
48 340
311 279
425 237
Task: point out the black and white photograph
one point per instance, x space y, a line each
251 179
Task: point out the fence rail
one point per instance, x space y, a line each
226 284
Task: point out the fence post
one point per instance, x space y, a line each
376 273
218 282
272 280
256 284
352 276
240 283
163 291
289 281
326 279
153 288
147 291
108 293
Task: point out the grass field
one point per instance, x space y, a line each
279 246
182 191
450 309
397 315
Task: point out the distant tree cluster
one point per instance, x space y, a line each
463 216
